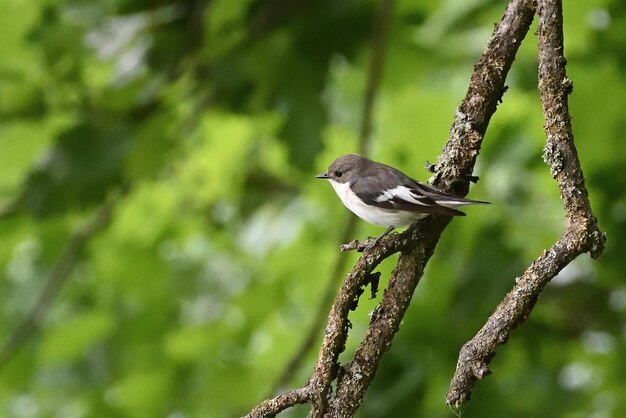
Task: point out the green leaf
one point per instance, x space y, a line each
68 340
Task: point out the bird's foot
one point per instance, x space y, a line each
377 240
360 247
372 244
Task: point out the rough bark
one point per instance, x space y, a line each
452 173
581 234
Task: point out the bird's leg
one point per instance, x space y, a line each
373 244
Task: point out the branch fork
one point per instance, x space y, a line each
454 168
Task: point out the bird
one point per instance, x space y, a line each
385 196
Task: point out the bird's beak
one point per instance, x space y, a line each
323 176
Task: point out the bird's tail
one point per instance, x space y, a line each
455 201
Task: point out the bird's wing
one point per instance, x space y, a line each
397 191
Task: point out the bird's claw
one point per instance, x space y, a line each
370 245
355 245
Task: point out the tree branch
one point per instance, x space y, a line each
59 273
271 407
356 376
338 325
582 233
454 167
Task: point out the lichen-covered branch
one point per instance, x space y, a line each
271 407
456 163
453 169
356 376
582 233
327 366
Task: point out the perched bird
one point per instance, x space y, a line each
385 196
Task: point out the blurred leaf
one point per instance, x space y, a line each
83 166
68 341
141 393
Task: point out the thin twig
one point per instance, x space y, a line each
55 279
582 233
269 408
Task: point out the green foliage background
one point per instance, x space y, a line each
218 114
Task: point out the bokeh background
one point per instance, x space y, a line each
217 115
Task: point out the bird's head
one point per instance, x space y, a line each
344 168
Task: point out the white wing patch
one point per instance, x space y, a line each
408 195
371 213
400 192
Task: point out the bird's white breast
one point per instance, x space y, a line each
373 214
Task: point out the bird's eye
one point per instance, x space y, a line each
338 173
